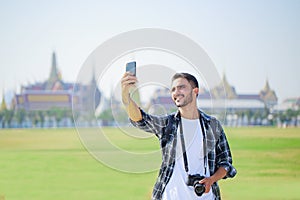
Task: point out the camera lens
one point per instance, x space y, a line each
199 188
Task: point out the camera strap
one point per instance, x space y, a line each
186 167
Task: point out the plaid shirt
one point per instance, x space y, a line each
165 128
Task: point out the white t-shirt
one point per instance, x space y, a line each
177 189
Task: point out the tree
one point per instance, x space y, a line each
34 117
106 116
8 115
59 114
20 115
41 115
2 118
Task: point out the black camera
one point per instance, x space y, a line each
193 180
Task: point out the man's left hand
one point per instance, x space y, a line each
208 183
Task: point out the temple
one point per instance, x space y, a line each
55 93
268 95
221 97
266 98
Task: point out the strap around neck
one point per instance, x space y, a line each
186 167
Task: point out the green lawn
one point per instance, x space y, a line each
53 164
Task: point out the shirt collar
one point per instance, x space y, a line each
204 116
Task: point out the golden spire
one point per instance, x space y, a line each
54 73
267 94
3 104
267 86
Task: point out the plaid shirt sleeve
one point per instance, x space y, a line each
223 153
151 123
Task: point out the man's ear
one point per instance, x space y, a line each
196 90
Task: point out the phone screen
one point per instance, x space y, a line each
131 67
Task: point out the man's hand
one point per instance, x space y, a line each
208 183
219 174
128 82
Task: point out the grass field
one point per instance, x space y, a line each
53 164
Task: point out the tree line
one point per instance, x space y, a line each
17 118
55 116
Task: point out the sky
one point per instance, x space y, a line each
249 41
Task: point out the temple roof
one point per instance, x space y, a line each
54 76
267 94
224 90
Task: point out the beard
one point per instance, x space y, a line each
186 100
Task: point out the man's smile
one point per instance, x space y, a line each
178 97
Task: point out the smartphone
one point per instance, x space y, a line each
131 67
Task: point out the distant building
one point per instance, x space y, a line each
290 103
235 102
268 96
221 97
55 93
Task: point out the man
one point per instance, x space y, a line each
191 142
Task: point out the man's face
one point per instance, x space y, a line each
181 92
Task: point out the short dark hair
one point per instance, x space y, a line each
190 78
